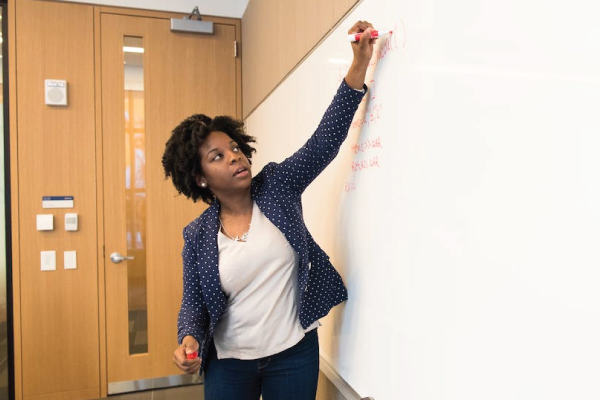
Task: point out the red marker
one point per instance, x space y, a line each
191 356
355 37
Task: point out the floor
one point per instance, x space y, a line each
192 392
325 391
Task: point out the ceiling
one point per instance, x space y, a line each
220 8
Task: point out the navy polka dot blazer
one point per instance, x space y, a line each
277 190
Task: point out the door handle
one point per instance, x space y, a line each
117 258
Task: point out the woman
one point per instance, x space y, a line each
255 281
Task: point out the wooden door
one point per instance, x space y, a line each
145 94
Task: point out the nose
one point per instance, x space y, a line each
234 157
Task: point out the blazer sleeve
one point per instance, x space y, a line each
193 314
300 169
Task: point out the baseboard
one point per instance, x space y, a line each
344 388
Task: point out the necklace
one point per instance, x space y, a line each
243 238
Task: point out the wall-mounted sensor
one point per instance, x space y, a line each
71 222
56 92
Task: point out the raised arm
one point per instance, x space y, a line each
300 169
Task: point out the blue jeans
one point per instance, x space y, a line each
290 375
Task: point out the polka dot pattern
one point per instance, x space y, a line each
277 190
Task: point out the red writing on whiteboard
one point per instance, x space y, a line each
372 91
372 162
349 186
390 44
371 116
366 145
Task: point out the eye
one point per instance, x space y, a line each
217 156
236 148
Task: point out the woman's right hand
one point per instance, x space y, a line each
189 345
363 51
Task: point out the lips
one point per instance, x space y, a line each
240 171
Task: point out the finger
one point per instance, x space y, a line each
366 35
188 366
179 354
193 367
360 26
186 362
365 38
183 358
366 24
190 344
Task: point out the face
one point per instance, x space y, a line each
225 169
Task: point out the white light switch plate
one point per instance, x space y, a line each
48 260
70 260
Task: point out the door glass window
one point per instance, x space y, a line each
135 187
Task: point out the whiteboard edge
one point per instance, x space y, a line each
339 382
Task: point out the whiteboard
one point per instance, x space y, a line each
463 210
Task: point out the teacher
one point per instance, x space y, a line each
255 282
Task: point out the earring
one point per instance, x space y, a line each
203 184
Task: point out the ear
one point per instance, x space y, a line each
200 181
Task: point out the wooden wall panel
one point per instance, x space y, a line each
55 148
59 327
277 36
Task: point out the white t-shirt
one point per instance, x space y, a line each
260 279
